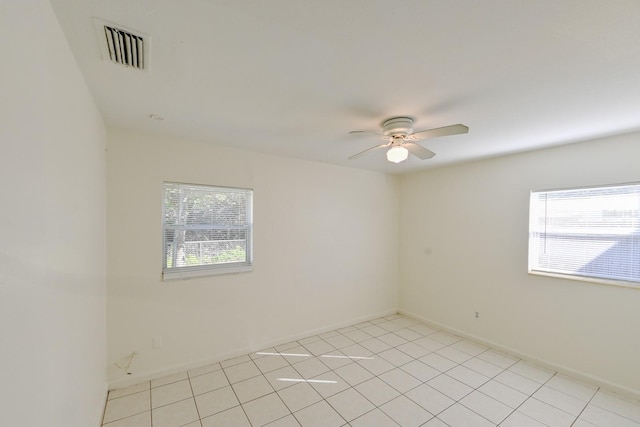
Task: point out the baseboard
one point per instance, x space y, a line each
622 391
150 375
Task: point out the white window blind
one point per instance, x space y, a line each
206 230
587 232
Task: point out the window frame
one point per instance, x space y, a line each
582 278
186 272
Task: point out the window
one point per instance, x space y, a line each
587 233
206 230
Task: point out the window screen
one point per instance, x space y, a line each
587 232
206 230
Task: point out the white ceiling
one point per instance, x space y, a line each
293 77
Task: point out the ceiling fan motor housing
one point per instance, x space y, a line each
402 125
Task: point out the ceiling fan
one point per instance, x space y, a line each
400 137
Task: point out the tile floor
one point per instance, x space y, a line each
387 372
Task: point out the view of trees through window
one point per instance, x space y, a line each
206 225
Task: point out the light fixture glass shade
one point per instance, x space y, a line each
397 154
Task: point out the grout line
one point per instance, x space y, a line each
585 406
234 393
193 396
530 396
394 335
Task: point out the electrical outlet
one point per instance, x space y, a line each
477 315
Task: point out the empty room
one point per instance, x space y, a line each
337 213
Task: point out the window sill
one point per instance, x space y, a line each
190 274
619 283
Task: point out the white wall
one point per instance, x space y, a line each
464 249
52 228
325 246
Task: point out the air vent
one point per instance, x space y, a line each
123 46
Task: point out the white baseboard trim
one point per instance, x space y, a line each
622 391
140 377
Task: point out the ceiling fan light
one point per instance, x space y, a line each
397 154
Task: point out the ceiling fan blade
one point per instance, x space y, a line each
443 131
362 153
418 150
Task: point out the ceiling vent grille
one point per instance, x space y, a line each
123 46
